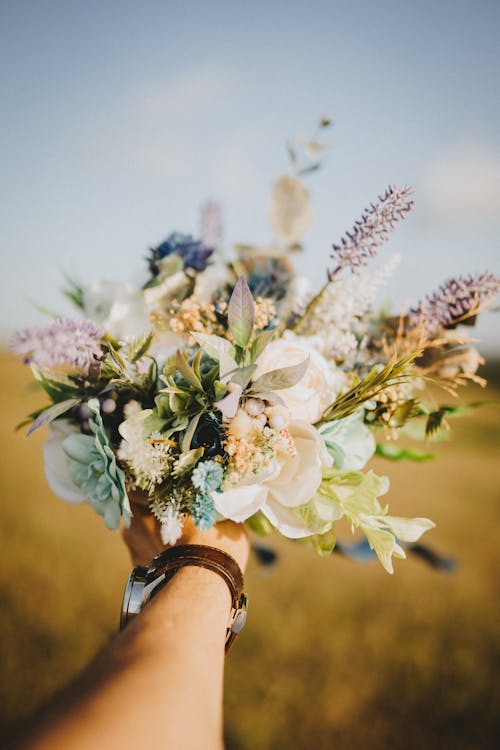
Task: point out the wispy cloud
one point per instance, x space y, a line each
158 129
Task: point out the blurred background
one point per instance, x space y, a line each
118 123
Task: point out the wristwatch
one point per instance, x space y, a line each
145 582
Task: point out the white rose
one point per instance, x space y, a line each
308 399
57 464
291 480
296 480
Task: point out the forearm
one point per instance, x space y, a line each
160 681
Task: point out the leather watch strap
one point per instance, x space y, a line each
165 565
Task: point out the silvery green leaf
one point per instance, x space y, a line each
260 343
272 398
48 415
240 313
242 375
285 377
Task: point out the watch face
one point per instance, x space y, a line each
133 596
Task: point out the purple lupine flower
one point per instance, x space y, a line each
372 229
455 301
194 253
64 343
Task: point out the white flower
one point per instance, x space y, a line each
241 502
296 480
292 479
278 416
243 425
118 308
317 389
148 460
215 276
172 287
57 462
170 525
349 441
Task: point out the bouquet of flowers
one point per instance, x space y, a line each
227 389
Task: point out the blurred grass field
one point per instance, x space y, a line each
335 655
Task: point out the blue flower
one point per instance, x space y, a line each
203 511
208 475
93 468
194 253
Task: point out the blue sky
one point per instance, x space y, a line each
120 119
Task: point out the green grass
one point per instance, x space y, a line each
334 655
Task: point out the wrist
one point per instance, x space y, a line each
228 536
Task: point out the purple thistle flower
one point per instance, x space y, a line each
64 343
372 229
455 301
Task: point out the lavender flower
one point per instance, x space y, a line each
371 230
455 301
71 344
194 253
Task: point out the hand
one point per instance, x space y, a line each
144 540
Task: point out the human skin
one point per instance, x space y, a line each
159 683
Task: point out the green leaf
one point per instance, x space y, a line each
197 364
220 390
241 355
139 347
240 313
118 360
74 292
188 435
394 373
219 349
56 391
260 343
324 543
48 415
154 423
405 411
187 461
285 377
42 309
259 524
434 421
395 452
186 370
